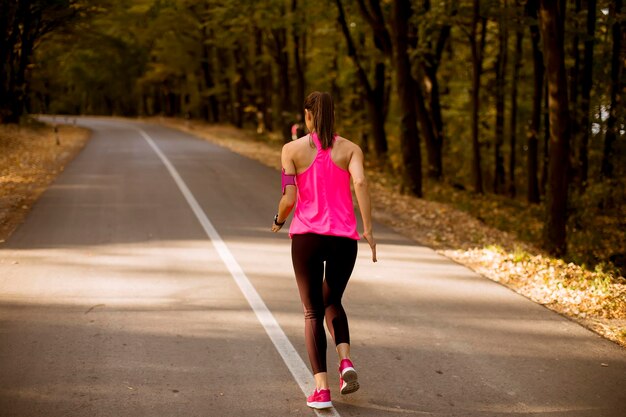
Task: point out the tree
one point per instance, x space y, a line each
551 17
431 65
498 177
587 82
477 44
251 63
210 106
574 81
409 139
426 64
517 65
374 96
617 66
280 53
23 24
532 167
299 42
263 81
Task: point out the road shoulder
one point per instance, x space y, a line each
30 160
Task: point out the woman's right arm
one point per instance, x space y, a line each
361 189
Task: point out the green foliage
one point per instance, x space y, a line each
225 61
520 255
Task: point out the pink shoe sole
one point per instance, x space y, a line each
320 404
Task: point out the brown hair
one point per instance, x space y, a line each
323 111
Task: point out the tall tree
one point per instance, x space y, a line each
241 84
382 41
263 81
517 65
280 53
546 139
617 66
298 52
409 139
551 17
430 84
210 104
427 58
585 102
23 24
477 44
374 96
532 167
427 128
501 60
574 76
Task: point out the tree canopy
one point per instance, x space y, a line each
522 99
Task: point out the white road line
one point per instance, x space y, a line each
296 366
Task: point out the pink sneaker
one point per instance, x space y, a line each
319 399
348 379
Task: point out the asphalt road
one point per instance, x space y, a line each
114 301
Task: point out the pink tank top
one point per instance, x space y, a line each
324 205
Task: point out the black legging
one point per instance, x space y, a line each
322 297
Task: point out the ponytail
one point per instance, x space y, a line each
323 112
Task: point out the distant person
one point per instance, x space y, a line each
316 179
297 129
260 128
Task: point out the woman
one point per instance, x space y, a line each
316 179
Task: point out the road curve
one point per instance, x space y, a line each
115 302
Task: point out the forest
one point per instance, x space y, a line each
518 101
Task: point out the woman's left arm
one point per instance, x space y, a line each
288 200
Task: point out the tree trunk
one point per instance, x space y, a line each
281 56
6 16
574 81
239 84
25 25
22 24
298 53
381 93
226 102
517 65
377 97
409 139
585 102
263 79
12 18
499 174
546 139
335 91
374 99
356 109
433 151
551 19
532 194
430 69
157 101
375 18
477 63
212 107
435 163
382 41
617 66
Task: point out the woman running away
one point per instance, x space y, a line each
316 179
